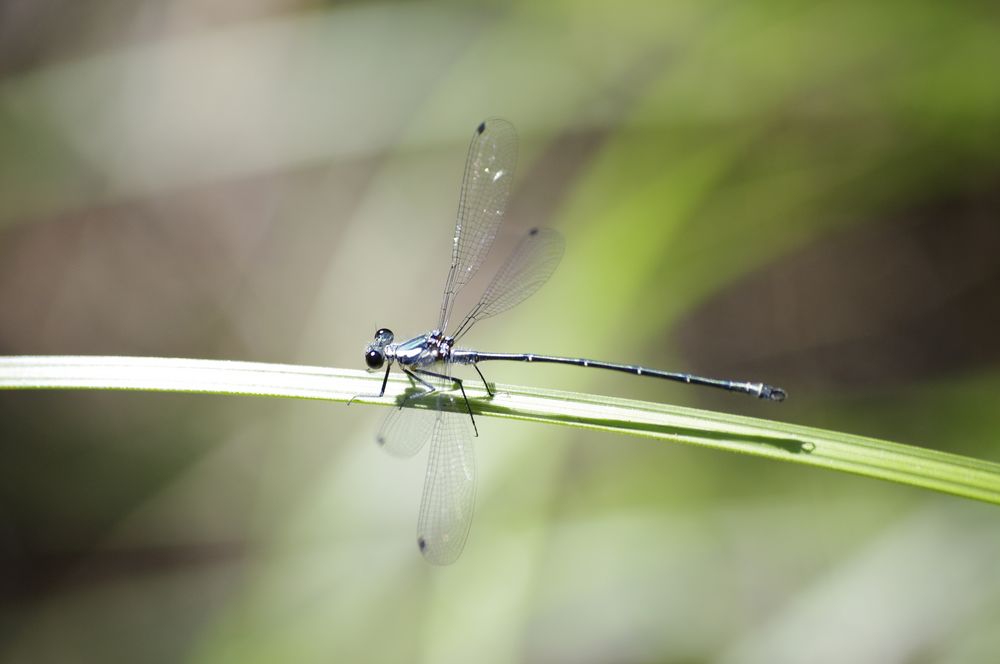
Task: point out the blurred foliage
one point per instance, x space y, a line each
801 194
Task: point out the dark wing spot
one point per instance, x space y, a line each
380 440
481 128
422 543
533 231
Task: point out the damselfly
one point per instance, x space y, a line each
450 485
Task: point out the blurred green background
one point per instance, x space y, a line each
803 194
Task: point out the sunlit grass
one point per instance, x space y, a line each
929 469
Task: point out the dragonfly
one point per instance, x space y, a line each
428 359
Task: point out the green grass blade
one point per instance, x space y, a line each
940 471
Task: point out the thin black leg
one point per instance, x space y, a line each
385 381
414 378
485 384
456 381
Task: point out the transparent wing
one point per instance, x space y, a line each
449 490
405 431
489 171
532 263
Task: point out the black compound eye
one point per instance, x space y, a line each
374 359
383 336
